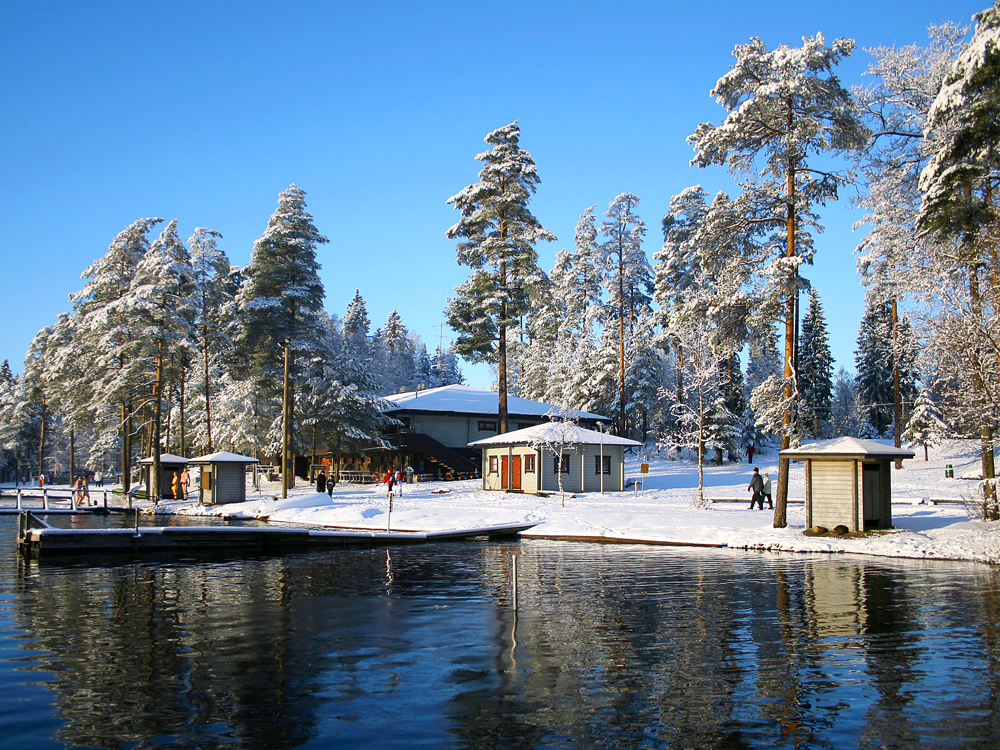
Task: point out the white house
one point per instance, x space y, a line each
532 459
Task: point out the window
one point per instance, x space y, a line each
529 464
523 425
607 464
487 426
493 465
565 464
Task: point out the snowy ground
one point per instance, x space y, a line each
663 513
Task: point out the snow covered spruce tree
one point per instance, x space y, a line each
847 416
960 209
628 281
12 445
214 308
893 258
496 239
815 366
104 333
784 106
339 394
677 266
161 307
925 428
279 304
702 280
884 365
395 356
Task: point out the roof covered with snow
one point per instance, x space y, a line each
846 447
461 399
223 457
554 433
165 458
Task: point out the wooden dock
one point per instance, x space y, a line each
36 538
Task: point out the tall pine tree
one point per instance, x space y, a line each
280 304
496 239
784 106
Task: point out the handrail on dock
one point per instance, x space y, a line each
49 496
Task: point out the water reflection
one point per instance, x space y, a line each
612 646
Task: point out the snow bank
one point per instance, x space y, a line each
664 513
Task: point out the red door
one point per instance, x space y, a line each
503 472
515 473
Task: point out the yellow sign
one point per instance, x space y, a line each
644 468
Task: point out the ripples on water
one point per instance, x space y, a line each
613 646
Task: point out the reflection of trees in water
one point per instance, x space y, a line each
141 652
614 646
612 654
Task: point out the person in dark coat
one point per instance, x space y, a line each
321 481
757 488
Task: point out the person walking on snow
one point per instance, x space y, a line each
321 481
757 488
750 455
767 492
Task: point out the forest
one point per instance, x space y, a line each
715 343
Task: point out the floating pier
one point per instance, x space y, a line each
37 538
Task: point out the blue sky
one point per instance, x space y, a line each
204 112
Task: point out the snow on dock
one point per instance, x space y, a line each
37 538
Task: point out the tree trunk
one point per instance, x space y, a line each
154 478
208 402
286 430
126 428
701 443
72 454
502 359
180 405
897 406
781 496
41 439
992 510
621 342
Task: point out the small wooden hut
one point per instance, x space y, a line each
529 460
169 466
222 477
848 482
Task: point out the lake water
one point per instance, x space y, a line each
612 646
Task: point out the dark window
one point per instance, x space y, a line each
493 465
522 425
607 464
487 426
565 464
529 464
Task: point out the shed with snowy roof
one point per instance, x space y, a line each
532 459
170 465
222 477
848 482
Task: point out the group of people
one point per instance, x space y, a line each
324 483
391 479
761 489
179 484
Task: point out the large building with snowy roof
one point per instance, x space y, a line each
436 425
